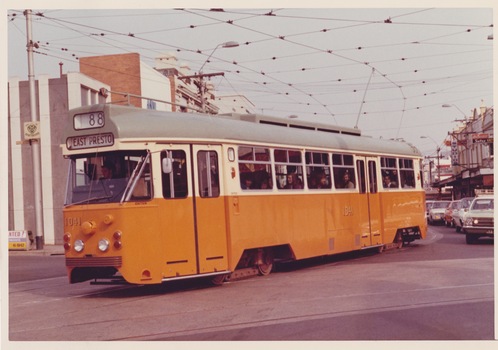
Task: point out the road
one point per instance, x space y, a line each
436 289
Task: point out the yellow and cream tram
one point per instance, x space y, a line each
156 196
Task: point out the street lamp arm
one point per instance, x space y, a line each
228 44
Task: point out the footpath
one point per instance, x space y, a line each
48 249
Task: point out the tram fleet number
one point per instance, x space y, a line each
348 210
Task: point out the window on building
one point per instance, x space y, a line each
151 104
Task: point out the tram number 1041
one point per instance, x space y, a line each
348 210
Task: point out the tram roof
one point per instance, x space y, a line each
127 122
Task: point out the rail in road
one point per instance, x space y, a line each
436 289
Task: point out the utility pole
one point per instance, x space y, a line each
201 85
35 145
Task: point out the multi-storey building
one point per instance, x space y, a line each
472 155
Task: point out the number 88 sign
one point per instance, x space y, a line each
89 120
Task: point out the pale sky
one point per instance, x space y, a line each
318 64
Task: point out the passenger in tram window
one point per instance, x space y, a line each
293 182
318 180
108 170
409 181
323 182
289 184
346 182
298 183
313 181
388 183
264 182
246 181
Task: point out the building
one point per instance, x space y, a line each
234 104
472 155
186 90
129 79
54 97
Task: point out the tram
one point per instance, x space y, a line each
157 196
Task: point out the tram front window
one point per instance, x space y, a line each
109 177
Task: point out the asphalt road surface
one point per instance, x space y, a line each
436 289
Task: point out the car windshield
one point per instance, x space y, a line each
109 177
440 205
483 204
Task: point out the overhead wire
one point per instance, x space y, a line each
270 76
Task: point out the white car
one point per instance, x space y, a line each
428 205
459 215
479 221
436 213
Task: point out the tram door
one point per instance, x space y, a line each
209 209
369 205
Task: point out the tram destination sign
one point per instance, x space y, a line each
90 141
90 120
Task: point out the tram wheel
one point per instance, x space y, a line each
218 280
265 269
265 262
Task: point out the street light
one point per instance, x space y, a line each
438 149
225 45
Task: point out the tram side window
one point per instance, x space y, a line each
208 172
343 166
175 182
406 173
288 169
254 168
389 172
318 170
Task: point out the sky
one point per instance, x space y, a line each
387 71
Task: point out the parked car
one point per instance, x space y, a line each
428 205
459 215
436 213
448 213
479 221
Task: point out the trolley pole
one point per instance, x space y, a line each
35 145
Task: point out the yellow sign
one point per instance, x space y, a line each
18 240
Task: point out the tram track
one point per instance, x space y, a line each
226 327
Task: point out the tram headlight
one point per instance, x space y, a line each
103 245
79 245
